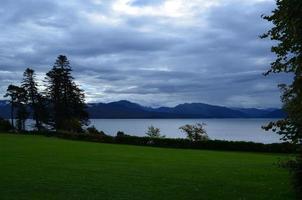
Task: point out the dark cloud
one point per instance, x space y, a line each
152 52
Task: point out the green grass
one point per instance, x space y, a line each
38 167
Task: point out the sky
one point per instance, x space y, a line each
152 52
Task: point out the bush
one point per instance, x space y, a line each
195 132
5 125
154 132
206 144
220 145
92 130
120 134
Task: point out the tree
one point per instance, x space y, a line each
153 132
195 132
43 110
67 100
18 101
287 32
22 113
12 93
34 98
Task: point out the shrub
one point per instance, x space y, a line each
120 134
5 125
183 143
154 132
195 132
92 130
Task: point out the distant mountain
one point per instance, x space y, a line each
128 110
123 109
201 110
278 113
262 113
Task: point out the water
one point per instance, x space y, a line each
222 129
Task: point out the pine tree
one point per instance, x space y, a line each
30 85
66 98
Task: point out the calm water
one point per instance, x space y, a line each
222 129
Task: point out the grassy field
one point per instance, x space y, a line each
38 167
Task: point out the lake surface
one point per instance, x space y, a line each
222 129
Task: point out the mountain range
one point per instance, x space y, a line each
127 110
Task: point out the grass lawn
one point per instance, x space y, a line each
38 167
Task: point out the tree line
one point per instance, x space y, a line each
60 106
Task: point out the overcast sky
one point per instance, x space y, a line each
153 52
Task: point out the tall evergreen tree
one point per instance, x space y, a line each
66 98
30 85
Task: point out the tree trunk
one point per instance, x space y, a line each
23 124
12 115
38 124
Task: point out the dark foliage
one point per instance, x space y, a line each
207 144
120 134
67 100
287 31
11 92
36 101
18 101
60 107
93 130
5 125
122 138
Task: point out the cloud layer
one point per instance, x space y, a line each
153 52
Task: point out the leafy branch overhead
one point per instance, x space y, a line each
287 32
